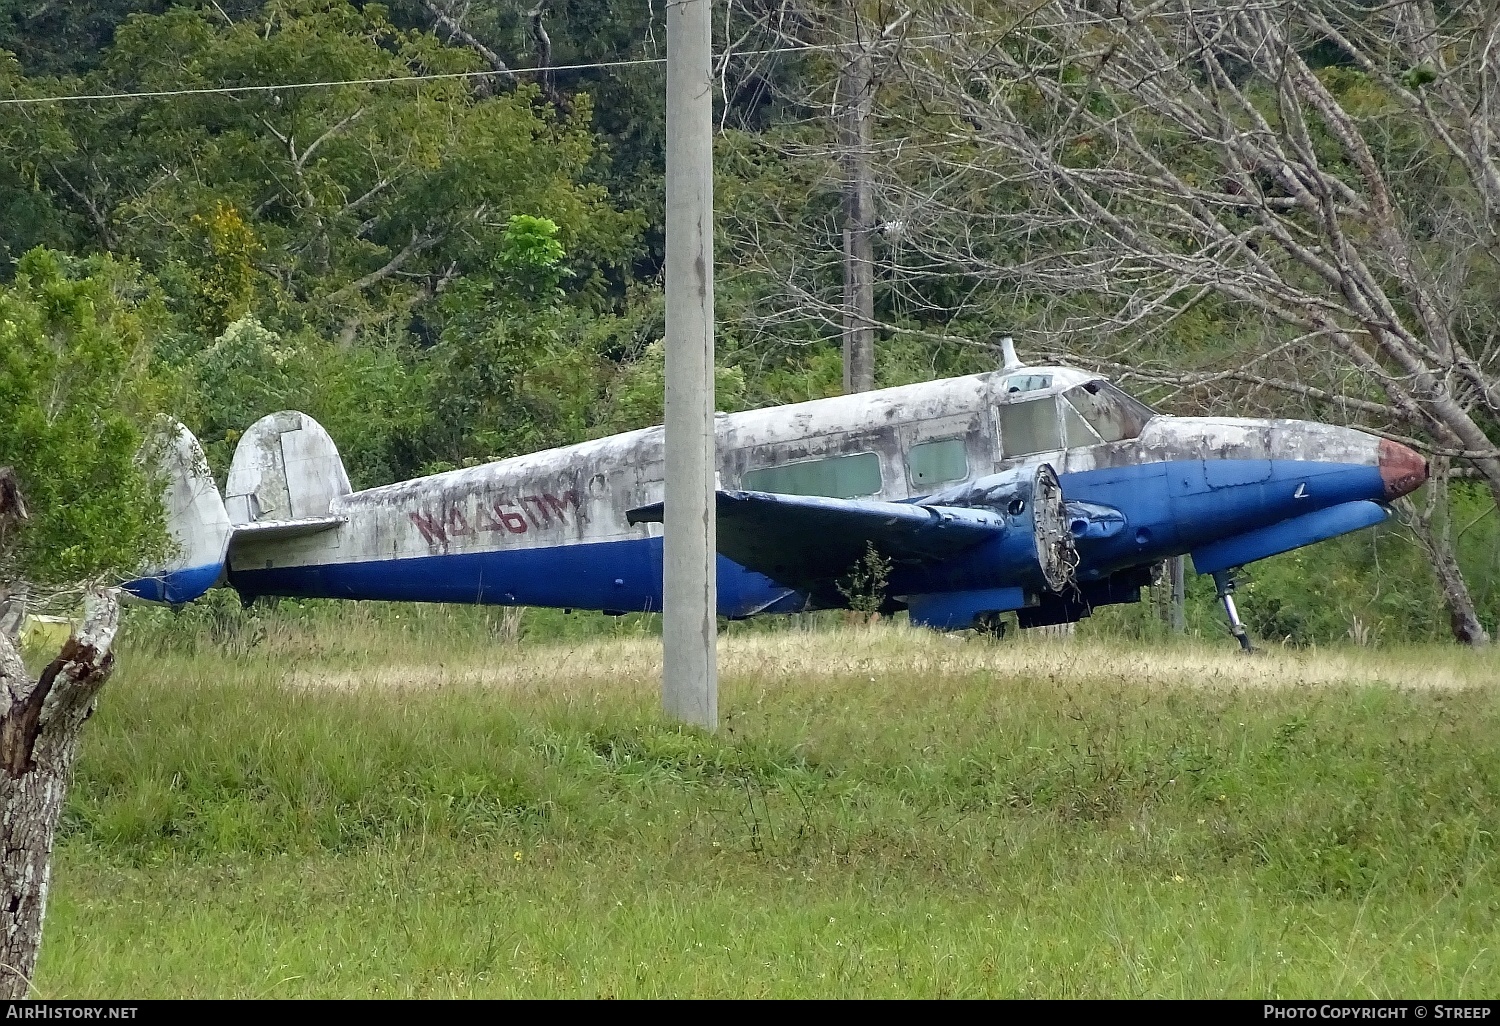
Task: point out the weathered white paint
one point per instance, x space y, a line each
285 468
580 493
196 519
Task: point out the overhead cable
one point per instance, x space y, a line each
151 94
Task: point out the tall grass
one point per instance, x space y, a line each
345 806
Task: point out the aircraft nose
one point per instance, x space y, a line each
1401 469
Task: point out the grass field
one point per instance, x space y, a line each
369 807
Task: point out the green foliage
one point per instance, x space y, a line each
531 254
639 394
226 273
246 373
864 587
342 814
1418 77
369 397
338 208
78 398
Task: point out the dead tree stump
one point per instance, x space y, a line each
39 732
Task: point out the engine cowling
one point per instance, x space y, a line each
1037 554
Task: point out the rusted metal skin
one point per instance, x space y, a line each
1402 469
551 528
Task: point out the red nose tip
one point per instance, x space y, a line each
1401 469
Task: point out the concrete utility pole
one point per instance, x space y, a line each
690 674
856 136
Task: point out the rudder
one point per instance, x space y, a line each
196 521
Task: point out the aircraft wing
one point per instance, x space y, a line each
808 542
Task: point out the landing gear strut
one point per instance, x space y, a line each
1224 581
990 625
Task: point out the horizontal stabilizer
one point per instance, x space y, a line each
807 542
266 530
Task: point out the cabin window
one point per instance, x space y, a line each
1027 382
1029 427
1109 411
837 477
932 463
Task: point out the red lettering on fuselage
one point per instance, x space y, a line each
560 506
539 511
458 524
431 527
513 521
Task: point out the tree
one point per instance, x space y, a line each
335 219
76 509
348 208
813 239
1432 527
1319 164
1318 173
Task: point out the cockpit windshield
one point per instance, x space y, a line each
1112 414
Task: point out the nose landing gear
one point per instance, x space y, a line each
1224 581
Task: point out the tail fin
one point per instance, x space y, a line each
285 468
196 520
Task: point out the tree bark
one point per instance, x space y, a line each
39 733
543 43
1169 591
1430 525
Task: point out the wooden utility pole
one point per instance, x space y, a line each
690 678
856 136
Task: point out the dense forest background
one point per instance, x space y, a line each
468 267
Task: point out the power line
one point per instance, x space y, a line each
397 80
288 86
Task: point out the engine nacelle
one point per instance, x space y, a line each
1037 554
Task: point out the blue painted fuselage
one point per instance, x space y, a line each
1171 508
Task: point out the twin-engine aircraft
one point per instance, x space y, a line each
1046 491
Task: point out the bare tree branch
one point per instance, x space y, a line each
419 242
455 29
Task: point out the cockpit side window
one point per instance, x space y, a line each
1076 431
1109 411
1029 426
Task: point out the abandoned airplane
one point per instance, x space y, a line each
1043 490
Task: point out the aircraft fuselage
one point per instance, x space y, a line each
551 529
